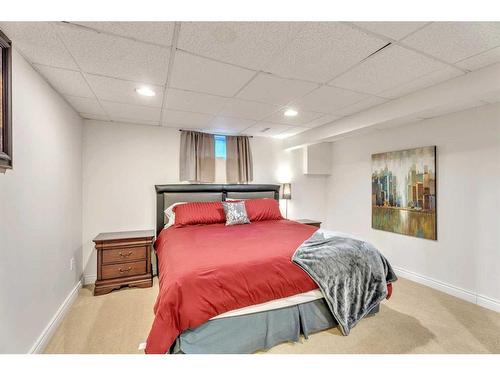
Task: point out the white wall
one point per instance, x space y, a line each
121 165
308 191
467 252
40 210
123 162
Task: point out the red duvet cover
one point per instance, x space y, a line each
207 270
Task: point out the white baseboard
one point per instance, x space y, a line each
89 279
50 329
483 301
464 294
488 303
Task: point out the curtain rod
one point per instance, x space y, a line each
224 135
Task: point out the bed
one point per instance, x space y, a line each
231 289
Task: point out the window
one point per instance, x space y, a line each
5 104
220 146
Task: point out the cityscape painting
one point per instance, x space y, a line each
404 192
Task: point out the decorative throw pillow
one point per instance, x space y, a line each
263 209
236 213
170 214
196 213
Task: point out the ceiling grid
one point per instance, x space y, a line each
240 77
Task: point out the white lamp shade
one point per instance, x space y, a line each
286 191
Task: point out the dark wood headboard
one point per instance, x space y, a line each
207 192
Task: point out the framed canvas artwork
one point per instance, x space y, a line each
404 192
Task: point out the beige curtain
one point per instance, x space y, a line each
239 165
197 157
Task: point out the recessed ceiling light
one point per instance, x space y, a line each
291 112
145 91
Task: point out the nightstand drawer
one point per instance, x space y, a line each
124 269
124 255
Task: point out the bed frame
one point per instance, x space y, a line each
258 330
169 194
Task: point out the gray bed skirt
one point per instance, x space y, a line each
263 330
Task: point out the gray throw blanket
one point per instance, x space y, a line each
351 273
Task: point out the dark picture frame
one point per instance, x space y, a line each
6 107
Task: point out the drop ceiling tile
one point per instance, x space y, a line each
39 42
328 99
360 106
290 132
120 91
130 112
454 41
135 122
322 50
247 109
267 88
151 32
185 127
302 118
222 123
393 30
248 44
116 57
482 60
89 116
186 118
259 129
427 80
325 119
204 75
85 105
389 68
194 101
66 82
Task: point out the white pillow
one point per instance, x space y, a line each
170 214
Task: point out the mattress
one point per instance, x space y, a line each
296 299
210 270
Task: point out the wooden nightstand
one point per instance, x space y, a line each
314 223
123 259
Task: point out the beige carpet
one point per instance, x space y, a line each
417 319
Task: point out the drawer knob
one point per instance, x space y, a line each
125 255
128 269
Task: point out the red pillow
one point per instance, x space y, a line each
199 213
263 209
